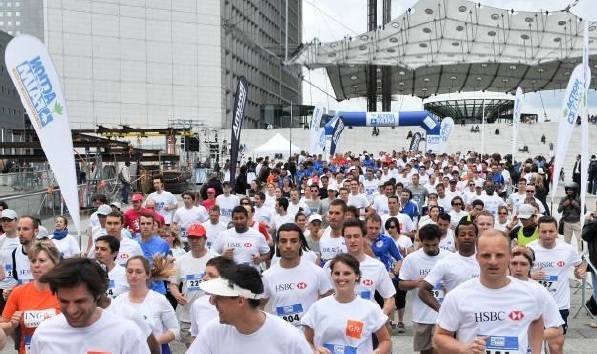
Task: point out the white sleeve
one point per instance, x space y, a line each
325 284
448 317
138 250
194 319
405 270
168 317
386 287
436 274
73 246
176 217
263 246
550 312
131 342
266 293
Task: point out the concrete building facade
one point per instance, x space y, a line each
149 62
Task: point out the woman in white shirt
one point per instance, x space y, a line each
152 305
345 320
430 218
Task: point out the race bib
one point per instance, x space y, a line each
183 232
550 282
291 314
8 270
33 318
438 292
501 345
340 349
193 281
208 245
28 344
365 295
110 291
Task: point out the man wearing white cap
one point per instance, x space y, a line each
527 231
8 243
242 325
97 231
314 233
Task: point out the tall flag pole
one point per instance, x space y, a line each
238 115
584 123
34 76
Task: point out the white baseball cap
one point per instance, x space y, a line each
224 287
525 211
315 217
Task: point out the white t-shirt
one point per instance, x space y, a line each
128 248
415 266
279 220
264 214
213 231
453 270
226 204
492 203
359 201
293 209
55 335
185 217
556 263
127 312
246 245
156 310
516 198
344 325
292 291
551 313
274 336
445 203
190 271
403 242
504 314
380 204
202 312
330 246
374 276
370 189
118 283
161 200
448 243
455 217
7 245
67 246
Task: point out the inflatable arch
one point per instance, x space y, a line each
423 119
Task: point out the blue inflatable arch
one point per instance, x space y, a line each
422 119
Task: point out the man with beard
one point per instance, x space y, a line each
242 244
453 270
412 274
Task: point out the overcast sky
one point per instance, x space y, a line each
330 20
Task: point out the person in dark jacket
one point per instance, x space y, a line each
240 183
589 235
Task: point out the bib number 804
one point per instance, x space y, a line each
291 318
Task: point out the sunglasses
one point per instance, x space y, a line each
530 191
502 213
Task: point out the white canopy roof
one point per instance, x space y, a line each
277 145
441 46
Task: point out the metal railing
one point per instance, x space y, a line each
26 179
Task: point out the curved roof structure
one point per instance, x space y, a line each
434 48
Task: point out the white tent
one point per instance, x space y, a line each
277 145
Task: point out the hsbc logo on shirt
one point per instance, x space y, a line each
490 316
561 264
248 245
124 255
367 282
290 286
516 315
545 264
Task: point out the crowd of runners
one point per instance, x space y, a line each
307 256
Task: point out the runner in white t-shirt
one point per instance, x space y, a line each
374 276
293 284
331 242
241 325
553 260
414 269
83 326
454 269
165 202
447 242
214 226
188 214
190 271
243 244
345 322
128 248
227 202
493 313
106 250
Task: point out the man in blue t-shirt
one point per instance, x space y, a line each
408 207
152 245
383 246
